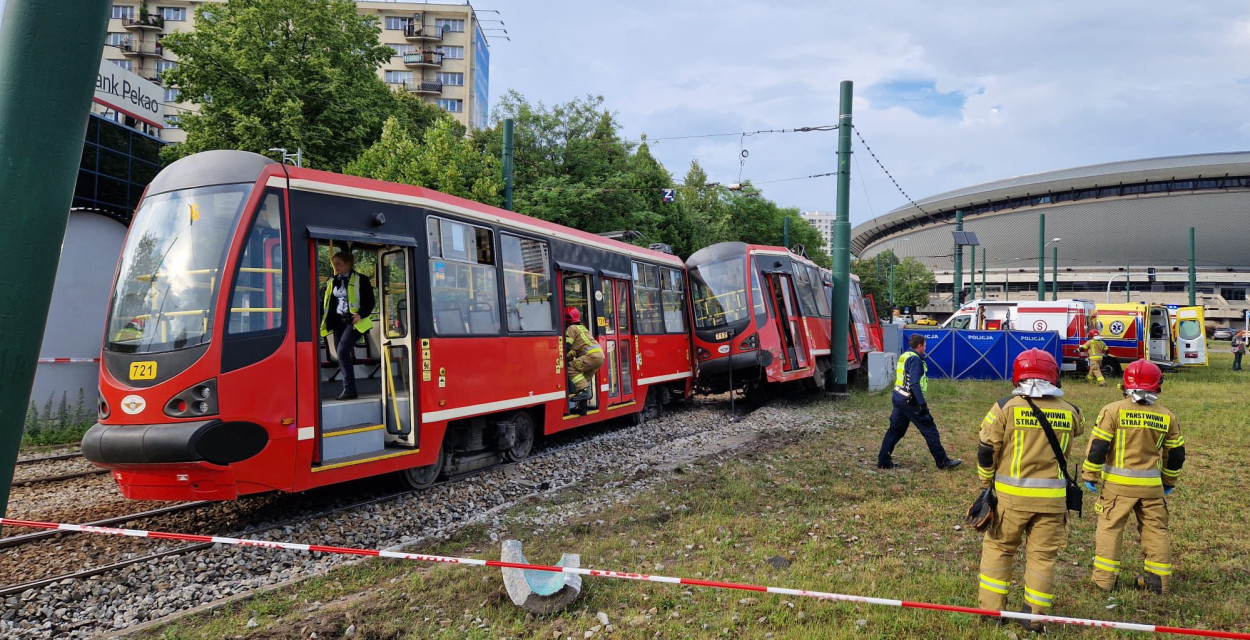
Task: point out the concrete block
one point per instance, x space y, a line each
881 366
540 592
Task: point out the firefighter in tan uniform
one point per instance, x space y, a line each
1096 350
584 357
1015 460
1138 450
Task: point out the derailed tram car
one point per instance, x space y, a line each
761 315
207 396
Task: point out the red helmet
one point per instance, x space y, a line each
1035 364
1093 333
571 314
1143 375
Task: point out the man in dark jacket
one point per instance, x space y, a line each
910 385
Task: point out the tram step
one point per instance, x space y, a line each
367 456
350 440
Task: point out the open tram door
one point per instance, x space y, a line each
616 338
575 292
789 324
1191 339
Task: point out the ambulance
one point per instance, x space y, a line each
1071 319
1170 338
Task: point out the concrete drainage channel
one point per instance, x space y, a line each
157 592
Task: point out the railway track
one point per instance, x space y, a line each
53 458
26 482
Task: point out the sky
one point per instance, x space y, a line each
947 94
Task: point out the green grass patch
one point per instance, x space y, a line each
816 501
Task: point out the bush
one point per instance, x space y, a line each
58 423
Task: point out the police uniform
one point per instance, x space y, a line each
584 354
1138 450
1096 349
1015 457
911 382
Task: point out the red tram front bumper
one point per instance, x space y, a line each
177 482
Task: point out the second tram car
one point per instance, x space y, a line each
761 315
215 382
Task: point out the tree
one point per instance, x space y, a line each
912 281
281 73
442 159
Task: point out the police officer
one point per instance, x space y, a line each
584 358
910 385
1016 459
1096 349
1138 449
351 296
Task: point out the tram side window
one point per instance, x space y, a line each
674 298
526 283
647 300
822 303
463 289
803 283
256 298
758 306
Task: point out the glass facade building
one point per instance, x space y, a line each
117 164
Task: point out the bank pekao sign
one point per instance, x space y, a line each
124 91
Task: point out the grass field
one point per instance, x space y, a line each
817 501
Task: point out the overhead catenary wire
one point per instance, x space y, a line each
828 127
893 180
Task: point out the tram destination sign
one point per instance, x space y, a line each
128 93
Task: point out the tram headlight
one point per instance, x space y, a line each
102 408
750 342
703 354
197 400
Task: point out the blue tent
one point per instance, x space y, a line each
980 355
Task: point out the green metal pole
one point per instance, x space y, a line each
1128 283
957 282
42 128
891 290
983 250
507 163
972 274
785 232
1054 274
1041 256
878 269
842 247
1193 272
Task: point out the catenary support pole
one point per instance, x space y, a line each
1054 273
1193 273
507 163
841 247
972 273
1041 256
891 291
1128 283
42 128
785 231
957 282
983 250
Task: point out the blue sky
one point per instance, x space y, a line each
947 94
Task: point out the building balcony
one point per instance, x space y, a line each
415 33
427 88
150 23
133 49
425 59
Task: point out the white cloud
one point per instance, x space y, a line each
1046 85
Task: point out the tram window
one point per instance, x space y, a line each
395 293
647 301
526 282
256 299
609 307
463 287
674 299
759 308
803 282
822 303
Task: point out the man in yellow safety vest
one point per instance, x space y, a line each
345 313
911 382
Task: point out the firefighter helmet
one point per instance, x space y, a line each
1035 364
1093 333
571 314
1143 375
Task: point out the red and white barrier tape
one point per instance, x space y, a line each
820 595
63 360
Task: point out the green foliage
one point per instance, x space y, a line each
59 422
281 73
442 159
912 281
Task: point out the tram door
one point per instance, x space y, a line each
575 290
397 373
789 323
616 340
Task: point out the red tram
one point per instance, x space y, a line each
207 396
761 315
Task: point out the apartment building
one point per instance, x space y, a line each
441 54
823 221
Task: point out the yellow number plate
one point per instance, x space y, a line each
143 370
722 335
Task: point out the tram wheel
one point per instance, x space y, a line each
423 477
652 408
523 444
755 393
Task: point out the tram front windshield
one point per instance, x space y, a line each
718 291
171 268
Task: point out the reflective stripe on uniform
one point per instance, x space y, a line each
984 472
1159 568
1133 477
1102 434
1033 596
990 584
1172 473
1106 565
1031 487
1090 466
1172 443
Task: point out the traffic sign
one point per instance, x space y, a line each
669 195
